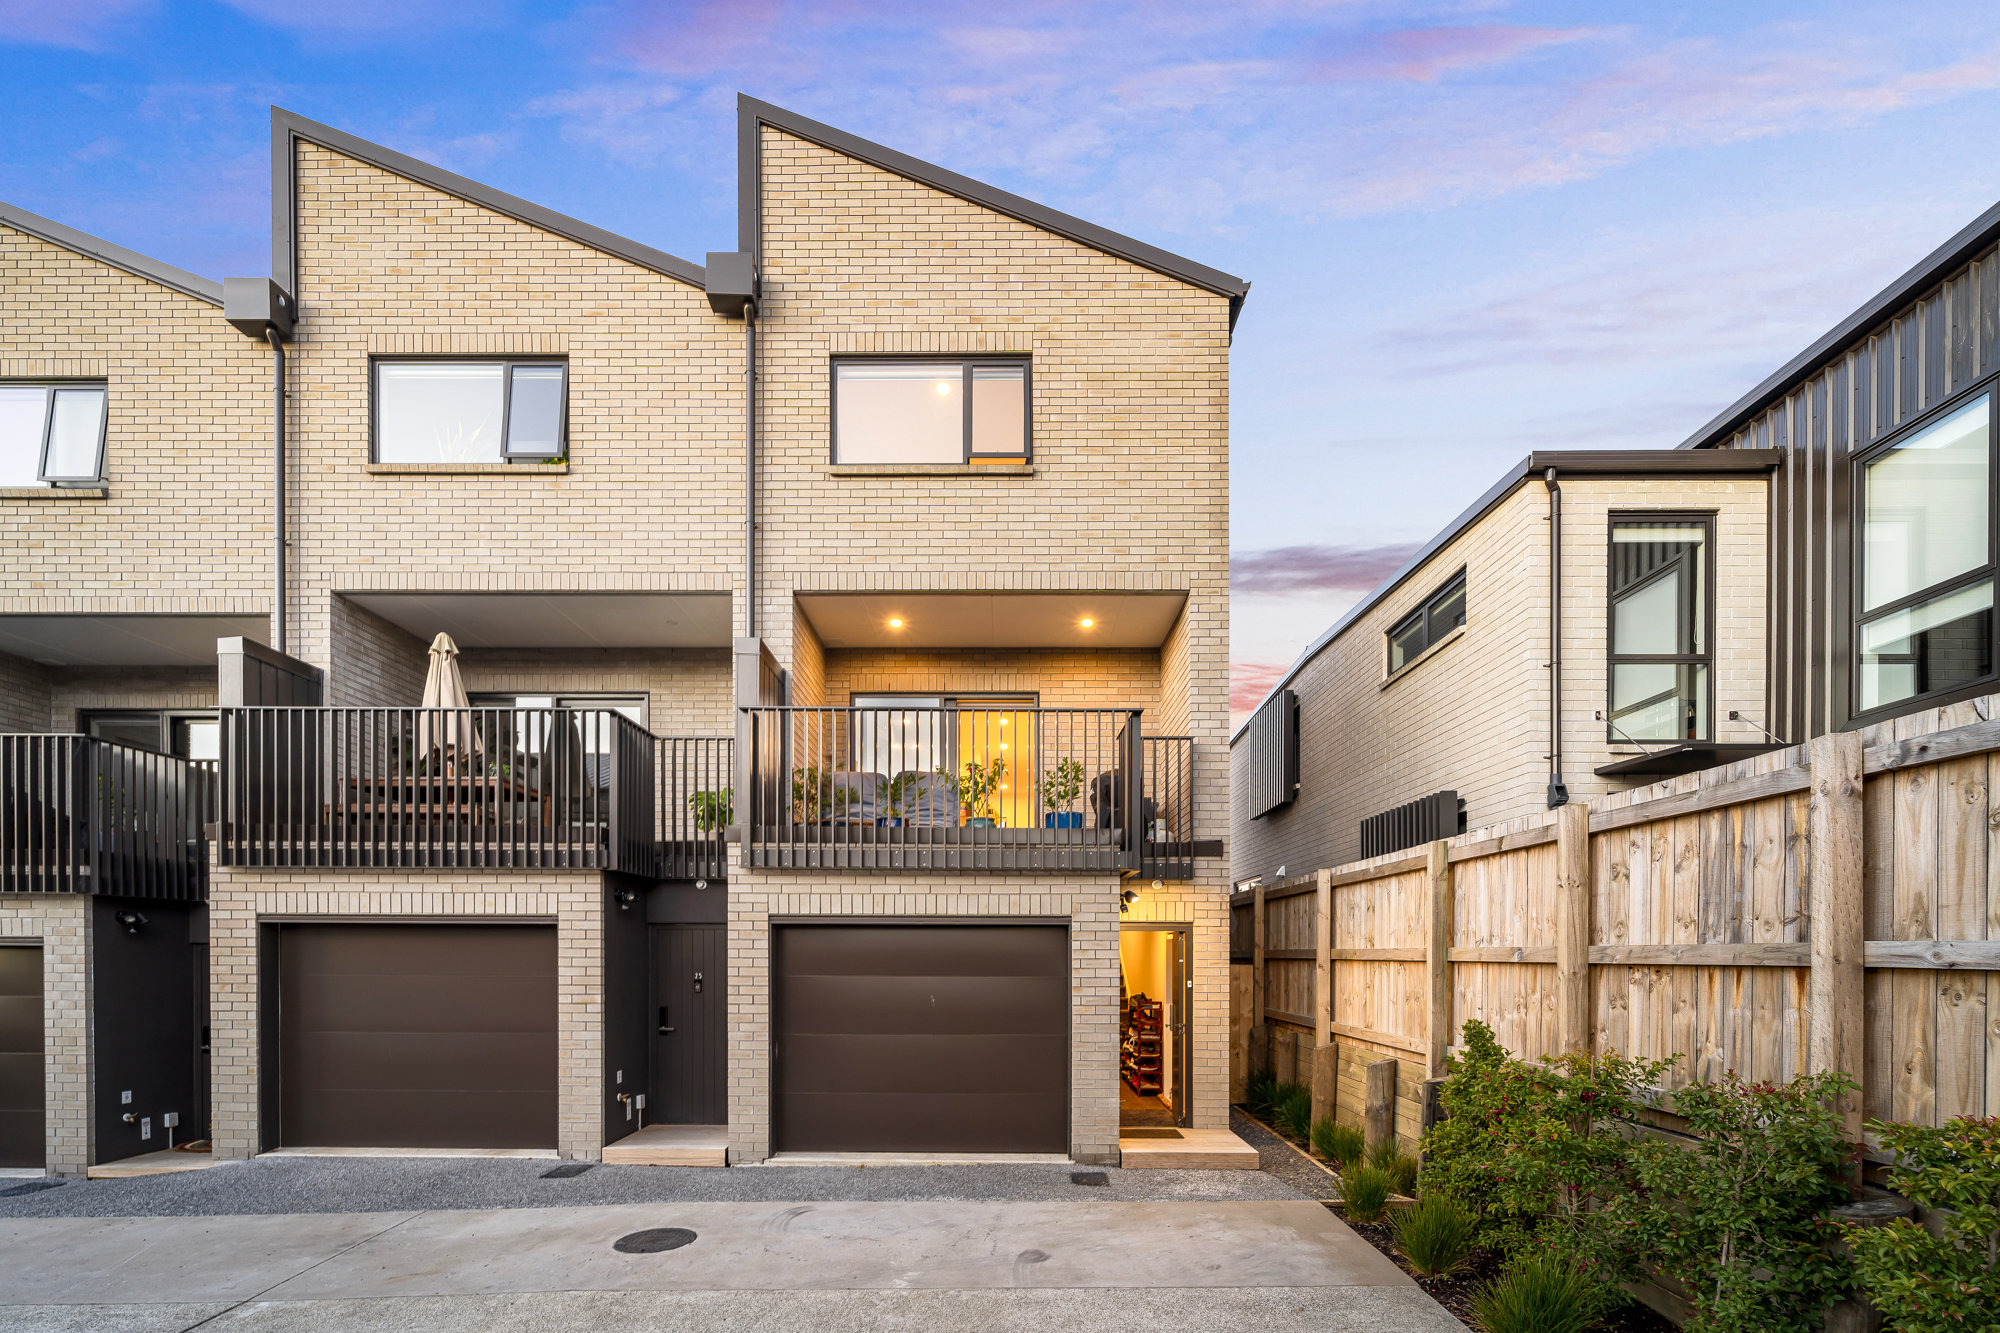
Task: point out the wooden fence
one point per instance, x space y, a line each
1827 906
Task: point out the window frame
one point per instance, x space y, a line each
1613 659
507 365
1422 612
1857 499
965 364
50 387
167 718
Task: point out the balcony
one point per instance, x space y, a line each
1009 789
79 815
469 788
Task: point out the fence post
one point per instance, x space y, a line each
1438 955
1261 1056
1834 848
1325 1074
1379 1115
1573 906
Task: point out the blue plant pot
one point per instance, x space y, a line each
1063 819
981 821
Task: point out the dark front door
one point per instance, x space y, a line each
431 1036
917 1038
690 1011
22 1087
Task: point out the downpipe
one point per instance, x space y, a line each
278 618
1558 790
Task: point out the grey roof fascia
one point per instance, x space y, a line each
752 112
1566 462
117 256
287 128
1975 236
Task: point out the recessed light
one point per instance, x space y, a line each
1086 622
895 622
943 387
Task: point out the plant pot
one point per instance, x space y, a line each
981 821
893 821
1063 819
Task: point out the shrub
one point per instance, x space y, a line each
1739 1214
1365 1191
1402 1174
1295 1112
1260 1091
1436 1236
1540 1292
1341 1144
1928 1284
1383 1153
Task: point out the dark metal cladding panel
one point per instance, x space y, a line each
418 1036
921 1038
23 1080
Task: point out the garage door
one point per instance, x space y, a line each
22 1089
921 1039
418 1036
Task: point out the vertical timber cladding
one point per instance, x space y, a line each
417 1036
920 1038
23 1074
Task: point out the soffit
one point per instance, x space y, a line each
558 620
125 640
992 620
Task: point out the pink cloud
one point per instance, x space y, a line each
1249 682
1299 569
1423 54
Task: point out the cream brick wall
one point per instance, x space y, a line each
240 899
688 690
24 694
61 921
75 689
1473 717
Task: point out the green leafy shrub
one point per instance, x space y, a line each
1922 1283
1340 1144
1295 1112
1539 1292
1365 1191
1739 1214
1260 1091
1437 1235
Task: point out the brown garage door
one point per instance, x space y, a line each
22 1086
418 1036
921 1039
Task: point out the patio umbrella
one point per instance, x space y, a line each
444 688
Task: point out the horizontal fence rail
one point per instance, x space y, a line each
695 776
948 788
79 815
554 788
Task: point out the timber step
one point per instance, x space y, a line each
671 1145
1194 1150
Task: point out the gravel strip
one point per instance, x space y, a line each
373 1185
1279 1158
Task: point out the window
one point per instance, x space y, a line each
469 411
1926 585
1660 628
189 735
1428 624
934 411
51 434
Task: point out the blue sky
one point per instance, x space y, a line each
1475 228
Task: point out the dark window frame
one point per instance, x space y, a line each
165 717
507 365
52 386
1614 659
1857 500
1432 636
965 365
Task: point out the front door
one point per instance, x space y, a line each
690 1006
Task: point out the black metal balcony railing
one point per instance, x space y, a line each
553 788
950 789
1169 848
79 815
694 776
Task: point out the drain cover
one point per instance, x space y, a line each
566 1170
1089 1178
32 1187
656 1241
1149 1133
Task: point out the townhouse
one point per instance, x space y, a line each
844 625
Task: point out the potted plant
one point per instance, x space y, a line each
976 789
711 809
1061 786
902 795
812 793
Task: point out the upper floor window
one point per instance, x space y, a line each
1442 612
1660 627
1926 585
469 411
51 433
931 411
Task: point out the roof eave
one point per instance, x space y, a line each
117 256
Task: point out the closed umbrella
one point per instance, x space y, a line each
451 733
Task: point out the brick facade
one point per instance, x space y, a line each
62 924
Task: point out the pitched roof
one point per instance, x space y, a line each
117 256
288 128
751 113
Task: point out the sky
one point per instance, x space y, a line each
1475 228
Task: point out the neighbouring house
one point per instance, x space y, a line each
844 622
1817 558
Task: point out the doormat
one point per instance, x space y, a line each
1149 1133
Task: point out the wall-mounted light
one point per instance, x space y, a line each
944 388
701 884
626 897
1126 899
130 920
